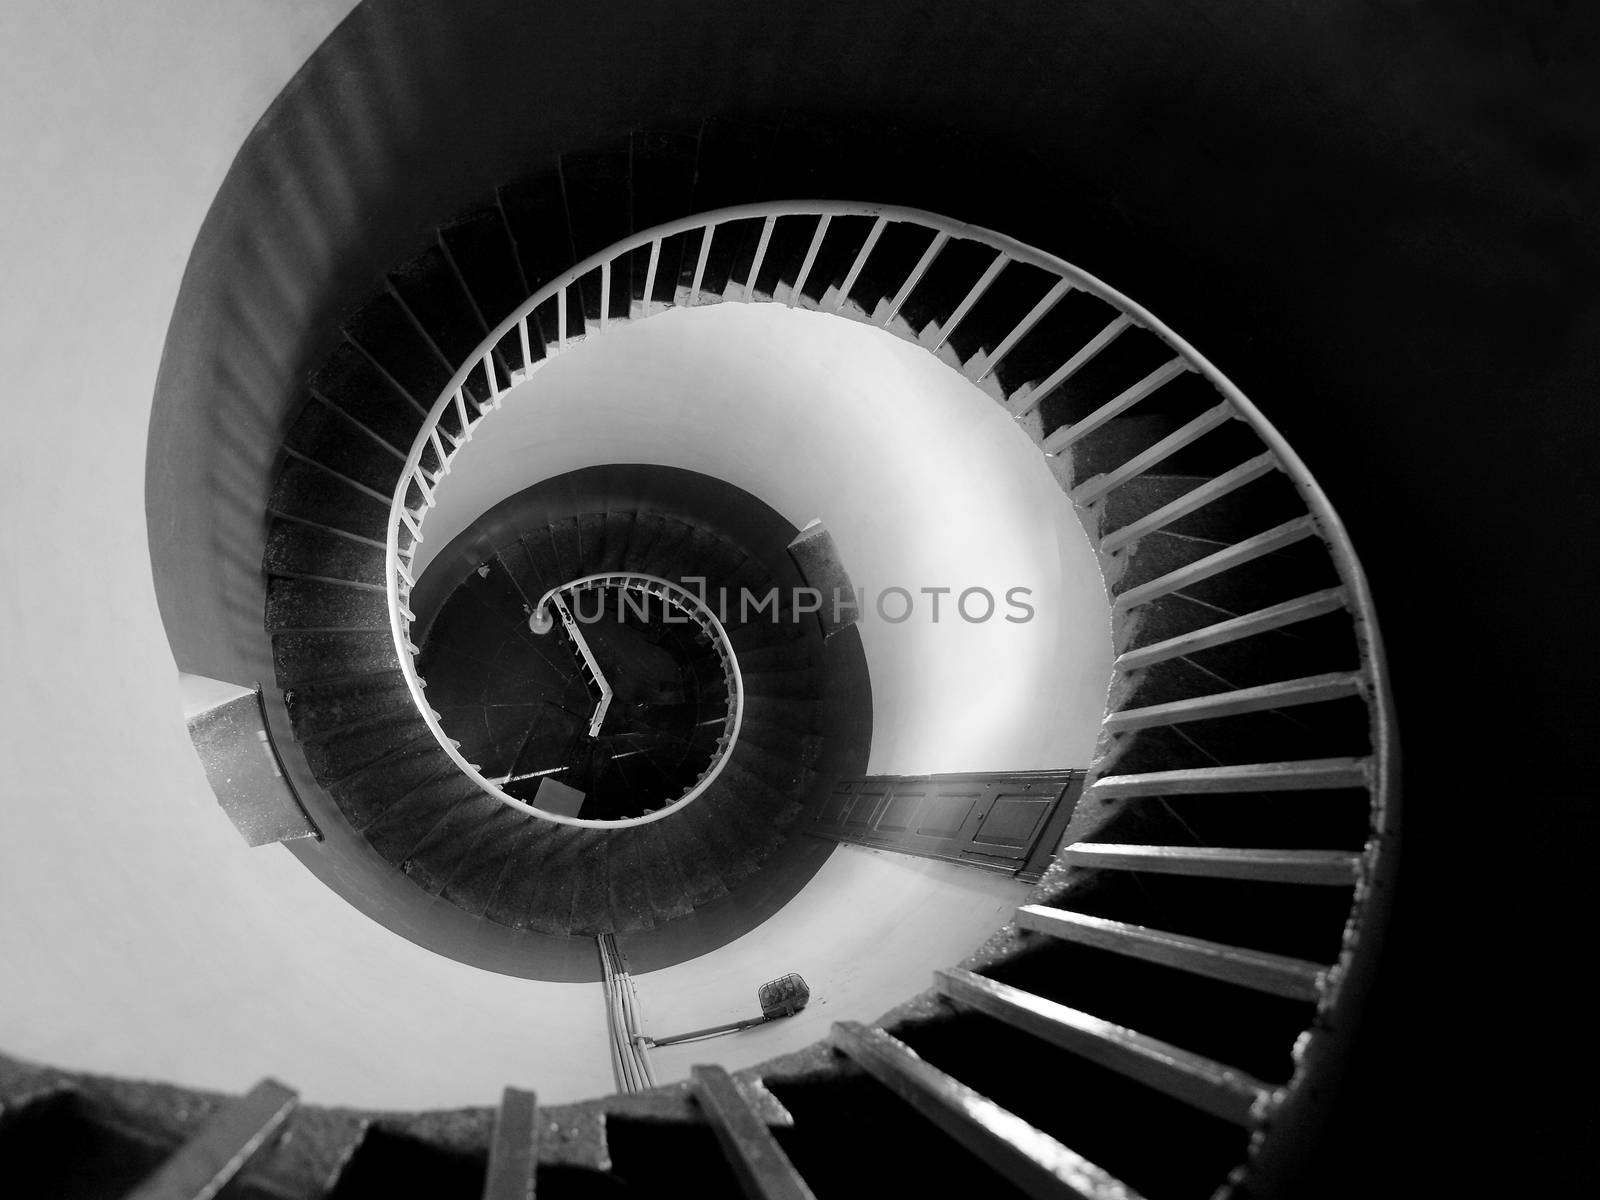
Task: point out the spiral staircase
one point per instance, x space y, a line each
1184 976
397 786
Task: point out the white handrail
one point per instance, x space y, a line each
570 623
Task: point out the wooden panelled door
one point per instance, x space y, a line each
1001 822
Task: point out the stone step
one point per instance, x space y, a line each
1276 974
298 549
329 438
341 756
323 709
310 493
352 383
317 604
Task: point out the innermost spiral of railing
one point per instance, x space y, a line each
664 709
601 618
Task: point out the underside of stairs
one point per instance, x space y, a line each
362 735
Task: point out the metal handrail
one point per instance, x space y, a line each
1349 975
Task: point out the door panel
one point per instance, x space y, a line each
997 822
1014 819
864 808
944 815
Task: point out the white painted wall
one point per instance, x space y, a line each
139 936
922 479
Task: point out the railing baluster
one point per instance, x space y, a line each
1067 434
761 253
605 296
422 486
1073 365
700 264
917 272
878 227
650 275
811 257
514 1148
494 380
461 410
527 347
1220 485
416 532
205 1164
1214 564
974 294
1093 488
1035 315
762 1168
561 318
438 448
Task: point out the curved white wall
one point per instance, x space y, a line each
139 935
923 480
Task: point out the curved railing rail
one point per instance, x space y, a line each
700 615
518 346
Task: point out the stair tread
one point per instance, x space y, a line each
295 548
1234 629
411 816
1336 867
774 777
311 493
343 754
364 796
349 381
798 715
1277 974
538 874
442 851
320 709
1286 776
325 435
701 883
472 885
384 330
317 604
1310 689
1221 560
628 861
1210 1086
591 890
